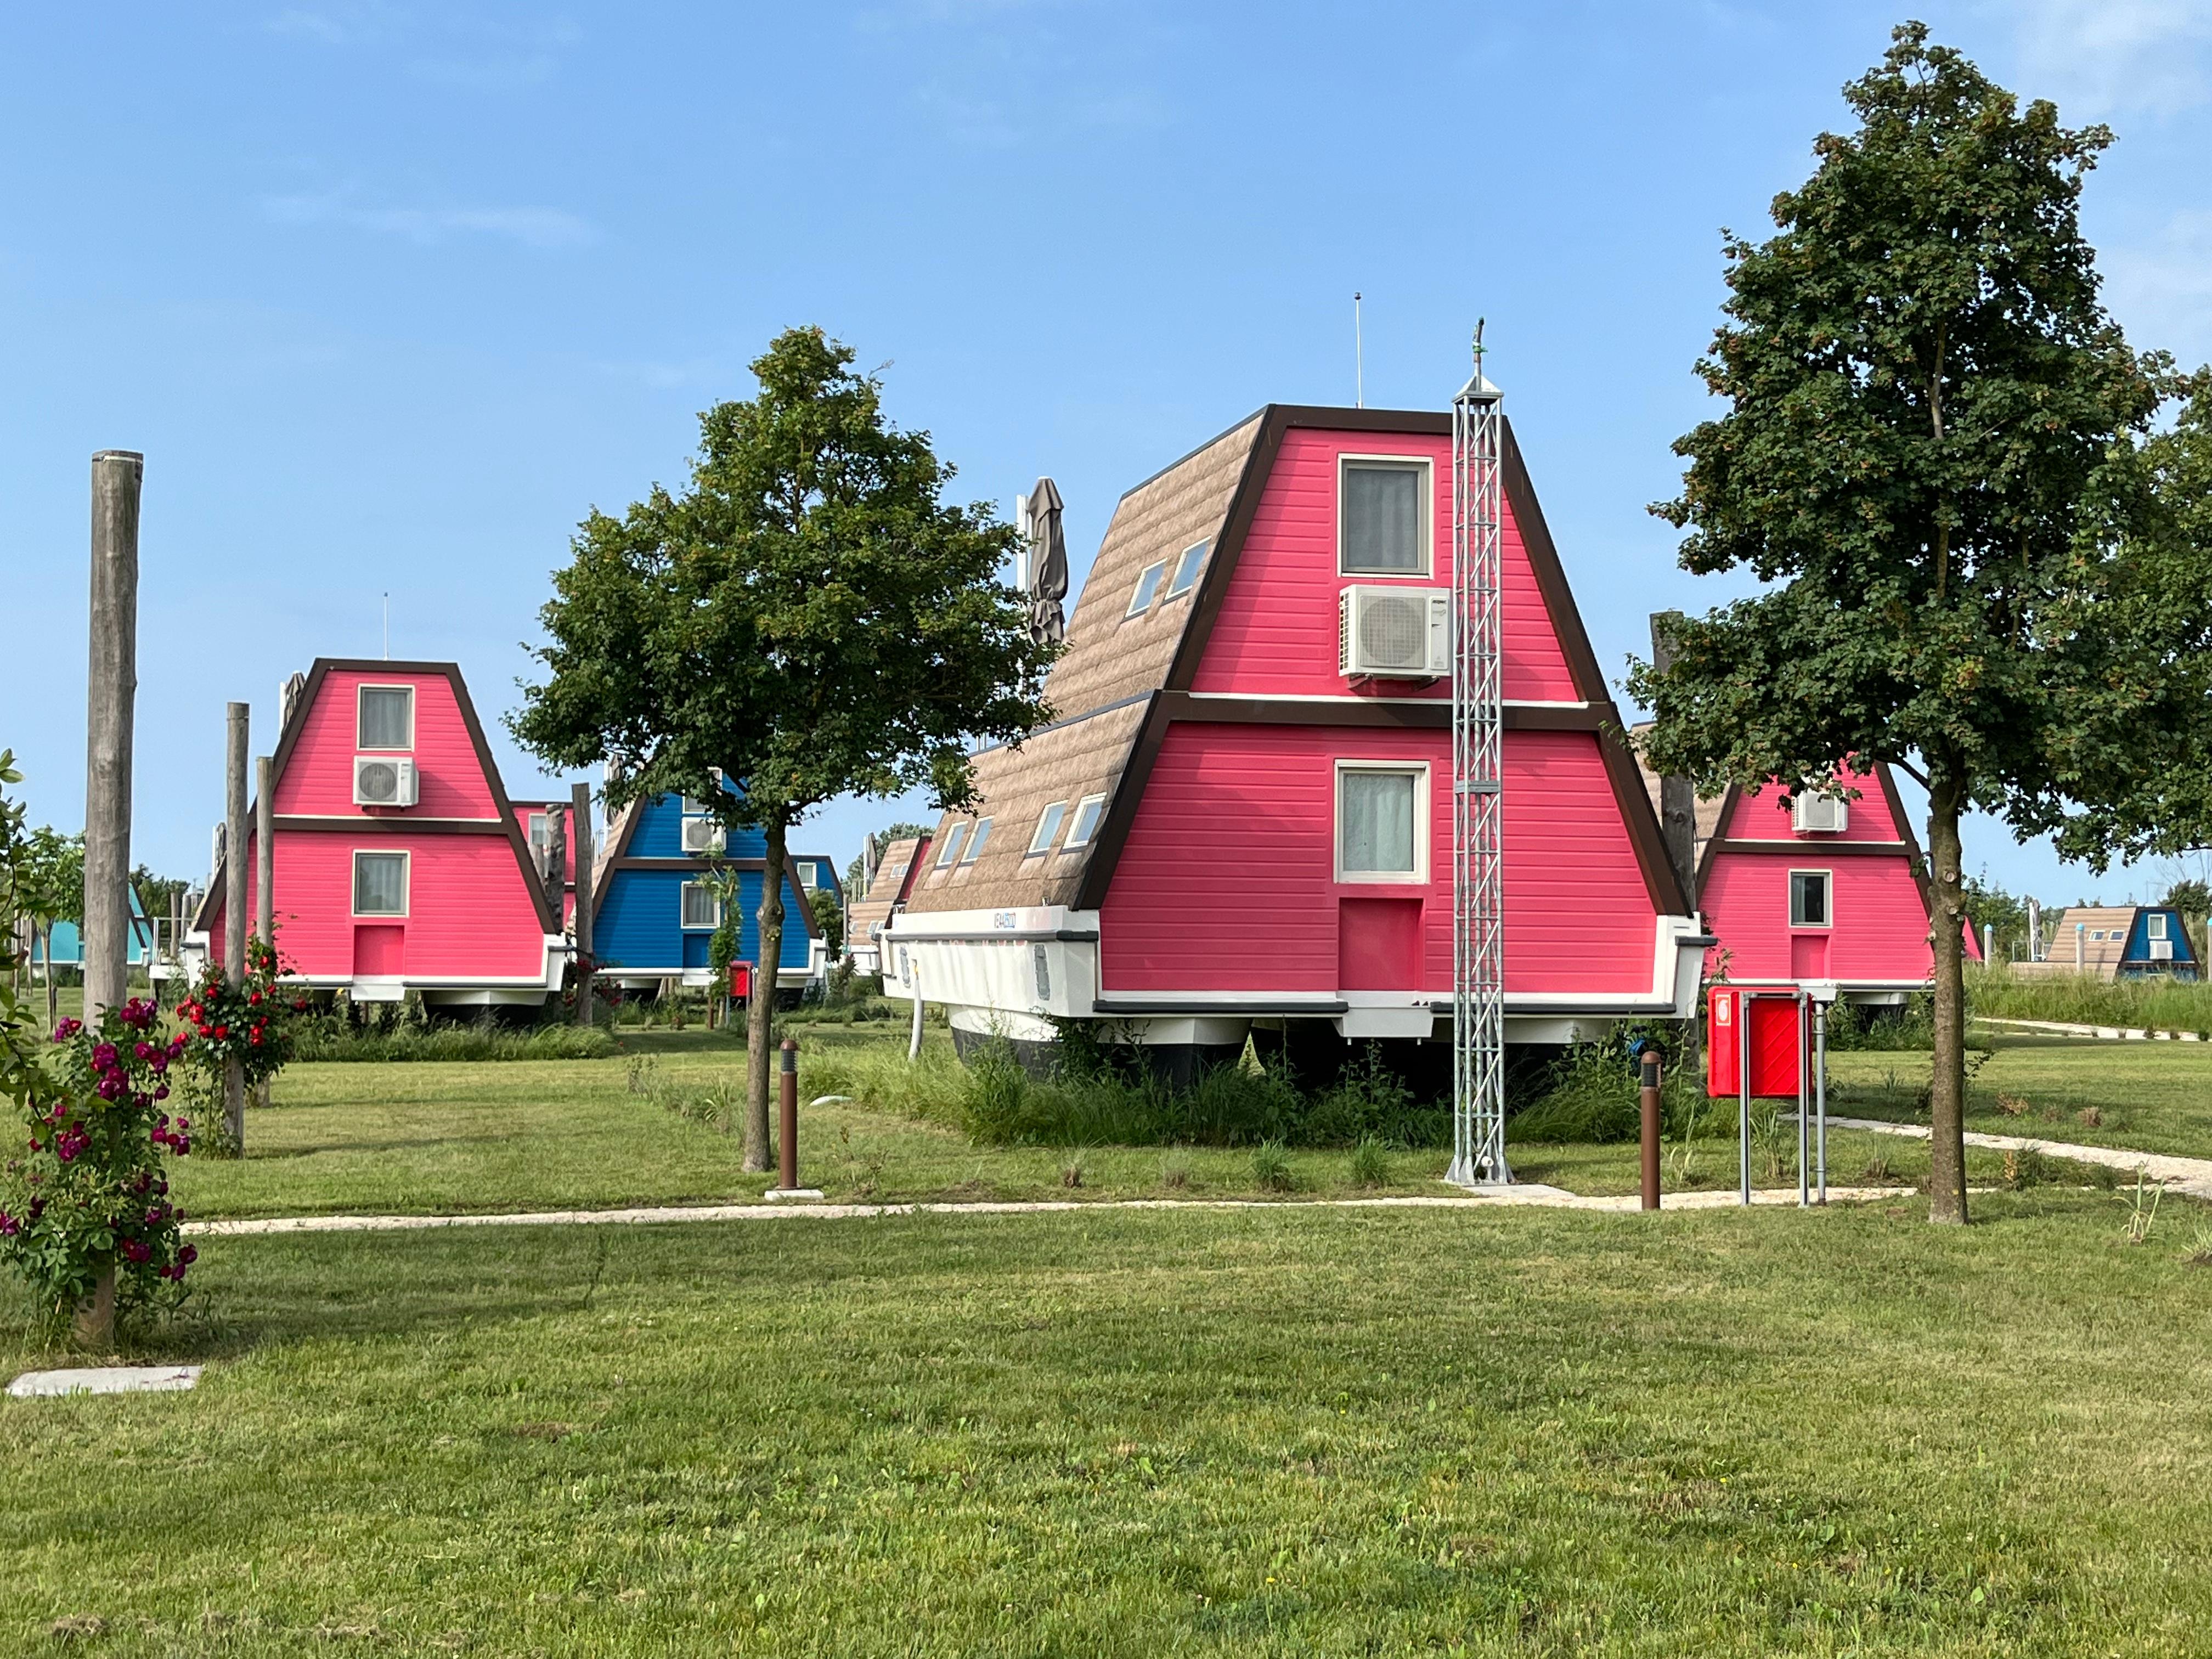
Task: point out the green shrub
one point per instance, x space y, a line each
1851 1027
1270 1168
931 1088
2159 1002
1593 1098
1371 1163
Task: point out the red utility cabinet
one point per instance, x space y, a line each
1778 1039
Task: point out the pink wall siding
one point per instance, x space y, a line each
1277 631
469 914
1227 881
318 781
1765 817
1880 931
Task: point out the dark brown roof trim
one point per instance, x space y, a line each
396 826
1122 808
1903 820
1823 848
1072 720
1429 715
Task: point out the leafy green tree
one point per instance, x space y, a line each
1934 459
808 615
1988 905
50 888
829 919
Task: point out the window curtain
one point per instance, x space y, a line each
380 884
384 718
1382 518
1377 815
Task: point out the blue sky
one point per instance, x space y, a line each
391 295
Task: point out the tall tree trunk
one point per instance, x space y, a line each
1947 1099
53 990
760 1032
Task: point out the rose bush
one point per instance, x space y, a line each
257 1022
86 1194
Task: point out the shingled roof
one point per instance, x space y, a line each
1100 689
1116 689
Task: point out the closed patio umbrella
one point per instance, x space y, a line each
1048 563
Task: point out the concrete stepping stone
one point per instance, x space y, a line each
105 1379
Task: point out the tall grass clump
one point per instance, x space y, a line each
929 1088
1100 1098
1595 1095
332 1041
1878 1030
2158 1001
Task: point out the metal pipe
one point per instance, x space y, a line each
1803 1175
914 1040
1743 1094
1650 1110
1820 1087
787 1126
233 909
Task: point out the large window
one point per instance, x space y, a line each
1048 826
379 884
1383 525
976 842
1808 898
701 910
1087 812
1382 821
949 853
386 717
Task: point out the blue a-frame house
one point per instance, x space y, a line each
653 916
69 945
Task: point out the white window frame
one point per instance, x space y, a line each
383 748
406 883
1418 875
540 833
1191 559
1828 881
697 927
1427 469
1078 834
1048 828
2156 923
949 850
978 834
1146 590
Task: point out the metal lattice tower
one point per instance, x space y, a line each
1478 820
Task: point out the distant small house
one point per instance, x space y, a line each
654 914
401 865
68 944
1820 889
902 861
2119 941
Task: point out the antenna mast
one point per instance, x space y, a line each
1358 359
1478 822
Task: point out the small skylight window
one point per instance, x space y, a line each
1048 823
1087 813
1148 584
1186 570
950 850
974 842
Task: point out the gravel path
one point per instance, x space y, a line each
2192 1175
1531 1196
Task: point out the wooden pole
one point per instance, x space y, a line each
579 811
234 911
264 870
787 1117
112 698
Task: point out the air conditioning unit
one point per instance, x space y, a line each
2161 949
702 836
384 780
1820 815
1394 632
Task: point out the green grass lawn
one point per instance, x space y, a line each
2148 1097
1285 1431
428 1137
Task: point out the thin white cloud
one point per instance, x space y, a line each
342 23
2161 290
533 227
2102 56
